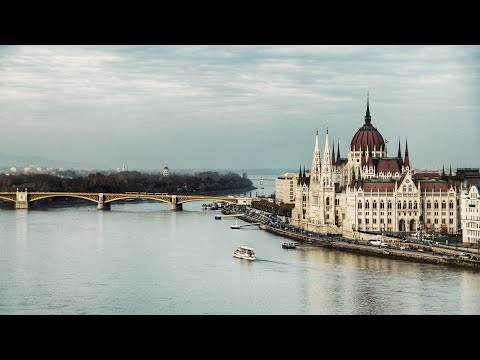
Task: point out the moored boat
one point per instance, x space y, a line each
289 245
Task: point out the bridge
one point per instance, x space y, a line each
104 200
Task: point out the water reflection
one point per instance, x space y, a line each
142 258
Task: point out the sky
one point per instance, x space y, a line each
217 107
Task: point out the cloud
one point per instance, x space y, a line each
135 95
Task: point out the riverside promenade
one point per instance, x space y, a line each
396 250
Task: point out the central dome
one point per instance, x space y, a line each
367 137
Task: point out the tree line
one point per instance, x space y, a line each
208 182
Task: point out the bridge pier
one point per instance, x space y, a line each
21 201
102 205
175 205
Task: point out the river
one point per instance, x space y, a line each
143 258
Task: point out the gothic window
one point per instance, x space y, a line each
444 204
367 205
451 204
359 204
404 189
436 221
374 221
409 204
409 189
429 205
389 205
374 204
328 216
404 204
381 221
415 205
399 206
382 205
359 221
436 204
366 221
327 201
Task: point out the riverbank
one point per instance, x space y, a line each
424 254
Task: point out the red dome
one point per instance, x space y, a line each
367 136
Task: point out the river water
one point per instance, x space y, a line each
143 258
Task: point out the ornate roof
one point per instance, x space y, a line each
367 136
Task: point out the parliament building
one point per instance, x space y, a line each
370 191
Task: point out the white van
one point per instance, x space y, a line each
375 242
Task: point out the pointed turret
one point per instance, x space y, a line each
326 153
399 155
315 170
304 176
368 118
406 162
450 174
333 154
443 171
299 175
338 151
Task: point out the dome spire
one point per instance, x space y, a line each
368 119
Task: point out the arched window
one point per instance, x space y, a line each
374 204
389 205
327 201
404 204
409 189
409 204
444 204
415 205
399 205
404 189
359 204
451 204
436 204
429 205
382 205
367 205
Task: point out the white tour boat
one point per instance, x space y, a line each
245 252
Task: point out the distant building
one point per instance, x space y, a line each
470 210
13 169
166 172
285 188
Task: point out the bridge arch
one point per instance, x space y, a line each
92 198
7 198
182 200
109 200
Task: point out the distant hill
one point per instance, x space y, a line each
9 160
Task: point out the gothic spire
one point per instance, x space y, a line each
304 171
406 161
368 119
450 175
333 153
399 150
338 151
443 171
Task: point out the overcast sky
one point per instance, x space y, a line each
236 106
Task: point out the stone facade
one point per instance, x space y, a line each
470 210
369 191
